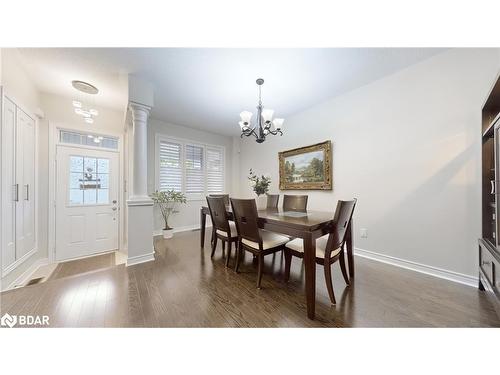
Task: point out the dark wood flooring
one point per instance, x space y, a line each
183 287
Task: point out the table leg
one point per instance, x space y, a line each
350 254
203 221
310 270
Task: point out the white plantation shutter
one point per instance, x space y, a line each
170 173
215 170
194 169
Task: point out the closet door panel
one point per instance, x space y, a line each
8 184
26 180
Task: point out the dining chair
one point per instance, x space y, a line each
250 238
329 248
272 201
225 196
222 228
295 202
226 202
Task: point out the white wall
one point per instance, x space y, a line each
189 214
408 147
20 88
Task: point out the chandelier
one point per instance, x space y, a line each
82 106
265 124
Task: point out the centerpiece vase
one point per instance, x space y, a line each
261 201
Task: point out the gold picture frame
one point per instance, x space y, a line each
306 168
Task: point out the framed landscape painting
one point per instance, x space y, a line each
306 168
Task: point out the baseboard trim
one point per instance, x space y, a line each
18 262
26 275
187 228
418 267
140 259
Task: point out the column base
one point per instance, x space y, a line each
140 231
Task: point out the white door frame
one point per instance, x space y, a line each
54 129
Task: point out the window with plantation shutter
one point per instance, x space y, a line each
170 166
215 170
191 168
194 169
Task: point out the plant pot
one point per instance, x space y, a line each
168 233
261 202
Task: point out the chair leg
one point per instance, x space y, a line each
223 249
214 245
228 253
260 269
342 267
329 285
288 263
238 251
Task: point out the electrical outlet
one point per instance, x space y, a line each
364 233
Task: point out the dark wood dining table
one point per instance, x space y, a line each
308 225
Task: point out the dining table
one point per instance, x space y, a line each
308 225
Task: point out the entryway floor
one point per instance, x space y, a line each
89 264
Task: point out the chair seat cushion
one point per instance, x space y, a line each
269 240
232 229
298 245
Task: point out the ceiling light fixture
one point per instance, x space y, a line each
265 124
83 107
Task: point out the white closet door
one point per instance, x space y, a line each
25 172
8 184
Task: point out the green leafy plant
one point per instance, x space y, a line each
260 184
168 202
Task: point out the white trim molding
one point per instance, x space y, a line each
131 261
187 228
26 275
418 267
18 262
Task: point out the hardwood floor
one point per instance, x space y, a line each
77 267
183 287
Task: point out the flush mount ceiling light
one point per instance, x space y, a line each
265 124
82 106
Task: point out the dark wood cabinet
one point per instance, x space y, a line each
489 244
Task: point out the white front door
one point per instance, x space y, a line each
86 202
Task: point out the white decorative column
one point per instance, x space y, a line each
140 205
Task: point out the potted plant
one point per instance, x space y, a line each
260 186
168 202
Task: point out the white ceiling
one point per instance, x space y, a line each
207 88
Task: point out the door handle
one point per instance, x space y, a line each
16 192
27 192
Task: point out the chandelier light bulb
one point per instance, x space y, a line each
246 117
278 123
94 112
267 115
89 120
77 104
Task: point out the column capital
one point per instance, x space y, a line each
139 111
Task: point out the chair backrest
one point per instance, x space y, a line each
218 213
225 196
341 223
272 200
295 202
245 218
